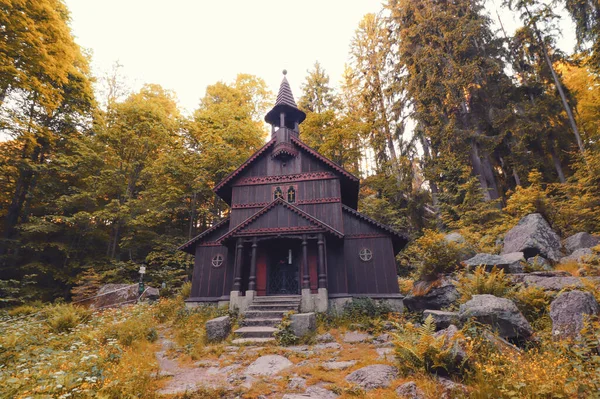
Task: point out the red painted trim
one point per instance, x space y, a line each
328 200
284 149
243 166
279 230
260 180
251 205
324 159
360 236
203 234
291 207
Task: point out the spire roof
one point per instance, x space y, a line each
286 104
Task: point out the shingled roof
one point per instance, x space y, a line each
285 103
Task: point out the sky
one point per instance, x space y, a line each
186 45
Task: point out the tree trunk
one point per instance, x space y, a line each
557 165
558 84
483 170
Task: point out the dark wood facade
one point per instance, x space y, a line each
293 225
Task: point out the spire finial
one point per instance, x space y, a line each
284 72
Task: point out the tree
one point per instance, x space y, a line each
586 14
317 95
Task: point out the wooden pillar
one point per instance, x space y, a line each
321 265
252 278
305 273
237 281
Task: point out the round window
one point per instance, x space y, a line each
217 260
365 254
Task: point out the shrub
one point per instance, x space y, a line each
432 255
405 285
421 351
284 334
186 290
481 282
64 317
532 301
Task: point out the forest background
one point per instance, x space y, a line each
94 185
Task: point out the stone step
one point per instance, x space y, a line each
282 298
261 322
252 341
274 306
255 332
264 314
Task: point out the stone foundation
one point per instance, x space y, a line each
314 302
336 305
241 302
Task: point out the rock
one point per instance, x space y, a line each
113 295
500 313
268 365
382 339
539 262
577 256
374 376
455 237
548 281
385 354
338 365
409 390
451 388
579 241
325 338
510 263
502 345
303 323
456 346
297 383
218 329
533 236
436 298
441 318
567 312
329 345
355 336
388 326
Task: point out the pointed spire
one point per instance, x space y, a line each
285 104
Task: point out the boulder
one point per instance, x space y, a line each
441 318
510 263
500 313
548 281
577 256
409 390
297 383
456 346
113 295
374 376
355 336
452 389
218 329
533 236
325 338
539 262
268 365
338 365
385 354
579 241
455 237
436 298
568 311
303 323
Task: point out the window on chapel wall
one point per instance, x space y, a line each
291 195
277 193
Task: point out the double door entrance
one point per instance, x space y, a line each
283 267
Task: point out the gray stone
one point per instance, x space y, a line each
441 318
114 295
539 262
548 281
383 339
268 365
297 383
303 323
374 376
455 237
328 345
456 346
568 311
436 298
325 338
409 390
533 236
452 389
338 365
577 256
510 263
385 354
579 241
355 336
218 329
500 313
